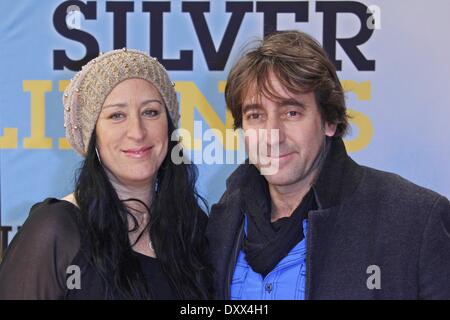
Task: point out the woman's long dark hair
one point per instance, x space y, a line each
176 228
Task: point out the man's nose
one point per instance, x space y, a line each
274 131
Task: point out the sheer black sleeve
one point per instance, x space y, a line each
35 263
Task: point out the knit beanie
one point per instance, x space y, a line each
84 96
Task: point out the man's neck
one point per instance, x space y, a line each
285 199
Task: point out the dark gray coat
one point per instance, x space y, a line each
365 217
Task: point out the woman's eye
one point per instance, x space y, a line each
150 113
117 116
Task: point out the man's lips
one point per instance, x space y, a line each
137 152
272 159
281 156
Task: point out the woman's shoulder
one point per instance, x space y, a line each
40 252
57 217
71 199
65 204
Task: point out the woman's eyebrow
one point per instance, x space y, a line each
123 104
119 104
151 101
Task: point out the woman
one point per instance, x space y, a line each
133 228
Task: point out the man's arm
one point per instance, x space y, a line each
434 260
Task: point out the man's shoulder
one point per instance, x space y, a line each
228 207
234 185
391 186
236 178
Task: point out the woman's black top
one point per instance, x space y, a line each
43 257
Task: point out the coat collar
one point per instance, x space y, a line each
338 178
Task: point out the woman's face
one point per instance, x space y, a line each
132 137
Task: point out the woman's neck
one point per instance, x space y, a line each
143 192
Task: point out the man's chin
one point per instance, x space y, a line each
281 178
269 167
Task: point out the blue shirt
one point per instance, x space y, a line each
285 282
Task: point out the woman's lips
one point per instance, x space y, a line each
137 152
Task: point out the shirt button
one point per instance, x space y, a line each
269 287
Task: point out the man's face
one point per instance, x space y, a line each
301 134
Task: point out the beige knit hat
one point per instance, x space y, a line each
84 96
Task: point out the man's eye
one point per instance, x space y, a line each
292 114
150 113
253 116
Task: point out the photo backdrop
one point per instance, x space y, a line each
393 58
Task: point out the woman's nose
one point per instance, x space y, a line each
136 128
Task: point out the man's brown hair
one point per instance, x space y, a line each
300 64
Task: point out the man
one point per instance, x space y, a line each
321 226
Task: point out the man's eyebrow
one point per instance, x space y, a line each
251 106
291 102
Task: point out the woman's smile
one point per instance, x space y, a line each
137 153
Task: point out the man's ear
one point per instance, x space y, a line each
329 128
